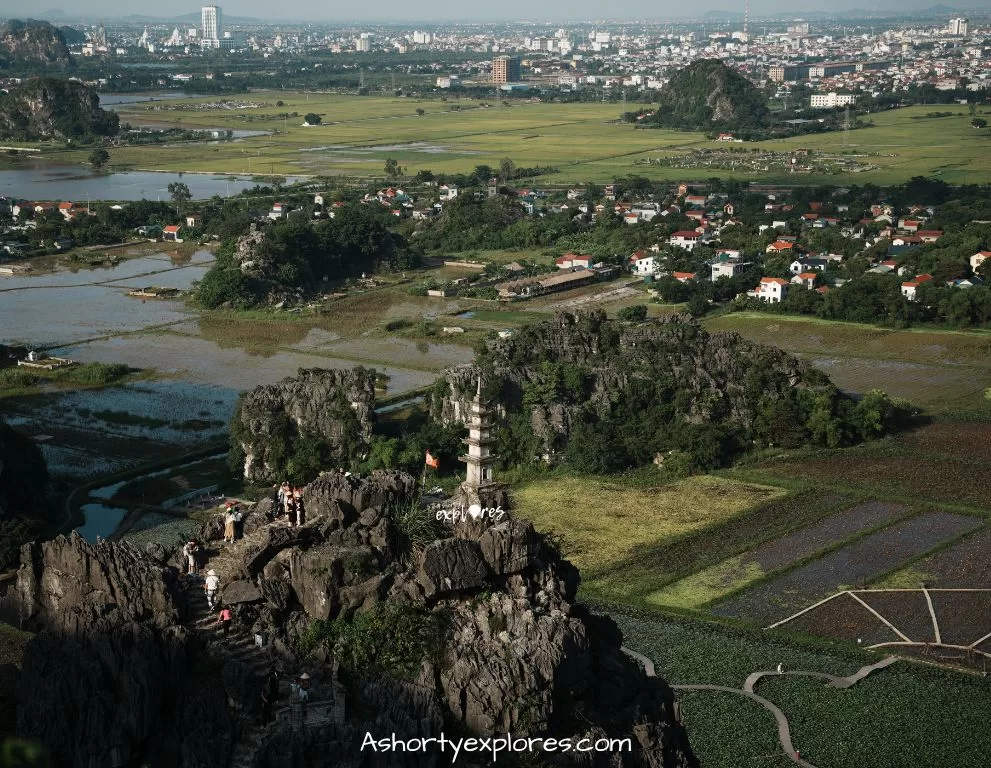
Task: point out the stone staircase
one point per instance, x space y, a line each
326 714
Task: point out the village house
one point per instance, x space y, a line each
772 289
805 264
780 246
171 233
683 277
929 235
573 261
279 211
643 263
686 239
979 258
448 191
910 287
805 279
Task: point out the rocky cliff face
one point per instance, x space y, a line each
705 377
481 615
24 503
33 43
327 413
51 108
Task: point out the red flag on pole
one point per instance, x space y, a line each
432 462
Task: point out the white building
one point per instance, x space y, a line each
364 43
829 100
958 27
423 38
448 191
643 264
212 26
772 289
686 239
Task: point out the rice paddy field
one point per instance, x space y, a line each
584 142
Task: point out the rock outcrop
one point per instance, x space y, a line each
52 108
582 366
708 94
432 627
321 415
33 43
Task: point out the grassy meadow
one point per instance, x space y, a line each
585 142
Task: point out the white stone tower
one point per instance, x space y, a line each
479 457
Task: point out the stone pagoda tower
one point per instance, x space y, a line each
479 457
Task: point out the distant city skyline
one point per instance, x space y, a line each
439 11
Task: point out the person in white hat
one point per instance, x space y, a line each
211 585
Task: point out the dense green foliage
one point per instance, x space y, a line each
389 641
708 95
668 392
296 253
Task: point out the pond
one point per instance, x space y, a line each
69 305
101 521
44 181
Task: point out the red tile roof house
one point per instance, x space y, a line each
909 288
172 233
772 289
686 239
805 279
929 235
683 277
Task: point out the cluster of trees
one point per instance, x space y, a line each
296 253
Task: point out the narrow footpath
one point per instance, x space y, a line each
784 731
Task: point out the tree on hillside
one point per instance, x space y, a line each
312 118
392 168
98 158
507 169
180 195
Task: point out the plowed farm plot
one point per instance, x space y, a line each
964 617
861 561
843 618
736 572
906 610
966 564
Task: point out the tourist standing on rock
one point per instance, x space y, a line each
238 522
191 550
300 512
225 620
291 508
211 586
229 524
284 494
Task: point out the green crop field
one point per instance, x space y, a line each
905 715
585 142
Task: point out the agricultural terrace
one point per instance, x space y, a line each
585 142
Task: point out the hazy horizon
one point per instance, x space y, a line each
510 11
